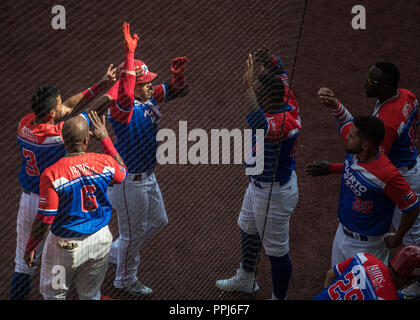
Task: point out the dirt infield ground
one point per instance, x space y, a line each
202 241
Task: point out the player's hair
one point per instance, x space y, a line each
272 87
43 100
391 71
371 129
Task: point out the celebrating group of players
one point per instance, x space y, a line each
66 204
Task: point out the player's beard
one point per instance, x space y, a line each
357 150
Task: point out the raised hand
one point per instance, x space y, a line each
263 56
178 65
110 77
98 126
249 72
327 98
130 43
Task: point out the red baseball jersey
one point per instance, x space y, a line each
362 277
73 193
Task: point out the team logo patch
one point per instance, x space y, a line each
408 197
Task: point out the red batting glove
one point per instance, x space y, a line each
178 65
130 43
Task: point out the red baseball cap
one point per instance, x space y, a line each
143 74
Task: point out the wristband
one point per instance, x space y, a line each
91 92
109 147
336 167
32 244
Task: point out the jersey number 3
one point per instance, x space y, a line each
31 167
88 198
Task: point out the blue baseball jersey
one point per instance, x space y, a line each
136 139
369 193
272 123
362 277
73 194
41 145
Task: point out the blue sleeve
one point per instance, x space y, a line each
257 120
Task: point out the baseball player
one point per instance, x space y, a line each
267 111
398 109
41 145
371 187
134 116
74 206
365 277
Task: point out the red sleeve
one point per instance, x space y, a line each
122 110
176 87
401 193
336 167
160 93
48 199
120 172
345 129
178 84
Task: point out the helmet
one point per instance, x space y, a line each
143 74
406 260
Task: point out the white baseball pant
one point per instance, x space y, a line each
141 213
254 210
85 265
28 208
345 247
412 177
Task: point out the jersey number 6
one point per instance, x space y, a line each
88 198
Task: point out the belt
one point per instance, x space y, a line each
355 235
26 191
142 176
411 166
255 183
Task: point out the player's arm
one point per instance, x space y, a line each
394 240
101 104
338 110
47 209
122 110
329 278
78 102
336 271
98 130
323 168
177 86
406 200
